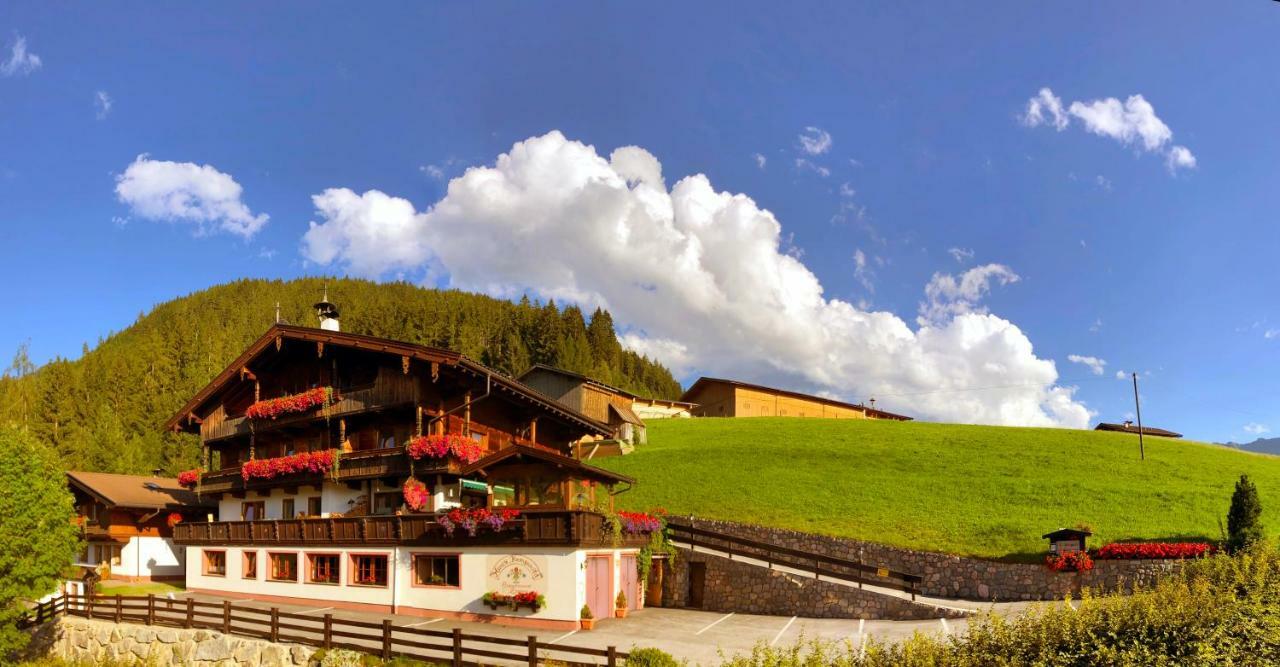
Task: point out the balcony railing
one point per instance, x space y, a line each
389 390
534 527
352 466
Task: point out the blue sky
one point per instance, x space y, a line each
1168 272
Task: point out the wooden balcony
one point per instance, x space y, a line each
389 390
352 466
534 528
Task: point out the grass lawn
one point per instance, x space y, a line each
124 588
970 490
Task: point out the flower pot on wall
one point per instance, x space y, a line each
588 624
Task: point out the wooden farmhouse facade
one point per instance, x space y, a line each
622 410
363 472
126 523
715 397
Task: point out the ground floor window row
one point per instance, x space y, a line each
427 569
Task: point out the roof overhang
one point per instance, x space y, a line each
521 452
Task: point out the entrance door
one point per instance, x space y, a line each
600 586
653 587
697 582
629 582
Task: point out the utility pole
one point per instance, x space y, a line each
1137 406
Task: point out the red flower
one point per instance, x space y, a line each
1131 551
416 494
189 478
174 519
307 462
462 448
274 407
1072 561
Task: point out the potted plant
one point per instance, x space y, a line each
588 619
620 605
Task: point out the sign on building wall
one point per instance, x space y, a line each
515 573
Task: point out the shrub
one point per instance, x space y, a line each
586 613
651 657
1244 526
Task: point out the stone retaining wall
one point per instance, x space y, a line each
955 576
92 641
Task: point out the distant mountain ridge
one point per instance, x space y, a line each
103 411
1261 445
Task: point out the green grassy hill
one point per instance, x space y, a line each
971 490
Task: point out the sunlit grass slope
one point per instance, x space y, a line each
970 490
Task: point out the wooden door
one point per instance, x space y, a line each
697 582
629 582
653 587
600 586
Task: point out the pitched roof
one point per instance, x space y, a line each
566 462
136 491
1131 428
703 381
597 383
1066 533
372 343
625 414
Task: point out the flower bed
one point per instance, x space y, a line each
1151 550
306 462
416 494
173 519
1074 561
460 447
471 520
189 478
534 601
639 523
274 407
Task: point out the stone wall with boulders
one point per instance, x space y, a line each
746 588
93 641
949 576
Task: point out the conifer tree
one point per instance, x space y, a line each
1244 519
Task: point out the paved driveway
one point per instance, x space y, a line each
698 636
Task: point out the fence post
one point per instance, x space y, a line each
191 613
88 613
328 631
612 659
119 607
151 608
275 625
457 647
386 639
533 651
226 617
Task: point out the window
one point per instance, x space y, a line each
324 569
313 506
253 511
369 570
250 569
284 567
109 553
287 511
435 570
387 503
215 563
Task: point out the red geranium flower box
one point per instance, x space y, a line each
274 407
1152 550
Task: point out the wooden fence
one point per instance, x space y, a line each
381 639
820 565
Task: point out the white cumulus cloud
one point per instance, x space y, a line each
1254 428
815 140
1132 122
187 192
20 62
947 296
1096 366
698 278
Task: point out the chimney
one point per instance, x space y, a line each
328 313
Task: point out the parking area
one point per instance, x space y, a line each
699 636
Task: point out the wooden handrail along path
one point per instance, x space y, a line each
819 565
384 639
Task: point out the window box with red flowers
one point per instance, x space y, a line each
1072 561
472 520
530 599
296 403
460 447
307 462
189 478
1153 550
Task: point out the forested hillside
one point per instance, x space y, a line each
103 411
